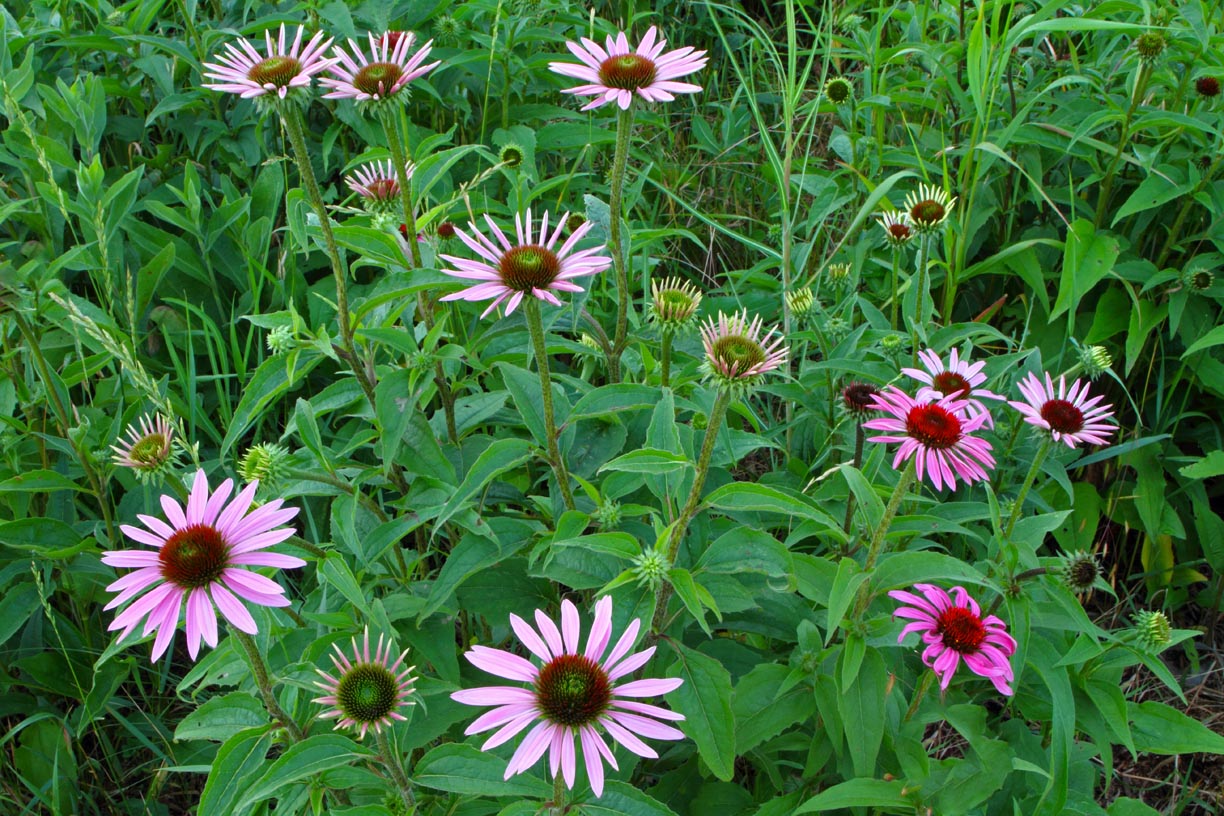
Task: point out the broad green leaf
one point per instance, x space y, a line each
235 766
752 497
395 407
763 710
47 537
38 481
337 573
1153 191
648 460
904 569
311 756
622 799
468 557
862 707
690 595
875 793
502 455
747 550
845 587
274 377
1212 338
1088 257
1209 466
704 698
610 399
1162 729
222 717
459 768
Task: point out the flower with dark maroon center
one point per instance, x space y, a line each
573 690
446 230
1062 416
527 268
959 377
928 208
387 70
627 71
281 69
859 398
897 229
937 435
615 72
1207 86
1068 414
933 426
961 630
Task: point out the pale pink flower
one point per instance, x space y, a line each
959 378
529 267
736 353
244 71
1068 414
936 434
616 72
200 557
378 183
149 448
390 66
369 690
953 631
571 695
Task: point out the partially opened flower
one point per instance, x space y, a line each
959 378
897 230
244 71
955 631
928 208
1068 414
369 689
573 694
389 67
617 72
674 303
938 435
149 448
532 267
201 557
737 355
378 184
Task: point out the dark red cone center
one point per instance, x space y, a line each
572 690
933 426
1063 416
929 211
961 630
949 384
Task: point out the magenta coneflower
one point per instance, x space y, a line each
377 183
571 695
200 558
617 72
148 450
935 434
390 66
959 378
737 355
953 631
1069 415
530 267
370 689
244 71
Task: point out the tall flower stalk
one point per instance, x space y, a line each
263 682
535 325
624 127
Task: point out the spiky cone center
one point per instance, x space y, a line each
378 78
384 190
1062 416
858 398
278 71
1207 86
736 354
800 301
838 90
1095 360
1200 280
950 383
1080 572
899 233
194 556
1154 629
367 693
934 426
961 630
627 72
446 230
572 690
928 213
1150 46
150 451
574 223
511 155
525 268
839 273
675 305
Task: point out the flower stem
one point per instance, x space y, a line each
1141 81
260 670
890 512
558 797
292 117
396 769
924 251
896 273
1029 478
624 126
536 326
858 460
717 414
666 359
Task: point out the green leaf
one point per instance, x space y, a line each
274 377
750 496
395 407
237 762
904 569
610 399
1209 466
622 799
648 460
861 705
337 573
17 607
501 456
459 768
869 502
471 555
1162 729
747 550
524 387
1131 807
311 756
859 793
704 698
687 591
1153 191
845 588
222 717
1088 257
38 481
47 537
1212 338
763 710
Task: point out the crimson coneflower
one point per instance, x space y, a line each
149 448
201 557
617 72
244 71
573 693
1067 414
938 435
928 208
390 66
1207 86
959 378
532 267
955 631
369 689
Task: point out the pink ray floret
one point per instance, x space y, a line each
200 557
954 630
390 65
616 72
959 378
532 266
1068 414
938 435
244 71
572 694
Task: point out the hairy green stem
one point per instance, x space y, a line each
624 127
896 273
665 363
396 769
924 252
858 459
1141 81
536 326
558 797
260 670
1029 478
904 482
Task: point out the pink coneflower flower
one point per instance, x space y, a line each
617 72
953 631
571 695
369 690
1069 415
148 450
200 558
936 434
390 66
244 71
736 355
959 378
529 267
377 183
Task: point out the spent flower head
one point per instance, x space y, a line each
928 208
1207 86
1198 279
673 303
380 75
1150 46
281 71
616 72
858 398
737 356
511 155
149 448
368 689
839 90
1079 571
378 185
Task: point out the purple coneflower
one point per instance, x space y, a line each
956 630
390 66
959 378
617 72
530 267
1069 415
936 434
148 450
736 352
572 694
200 558
377 183
928 208
369 690
244 71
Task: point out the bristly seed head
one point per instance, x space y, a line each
627 71
858 398
530 267
838 90
193 556
367 693
572 690
1150 46
1207 86
1079 571
377 78
950 383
